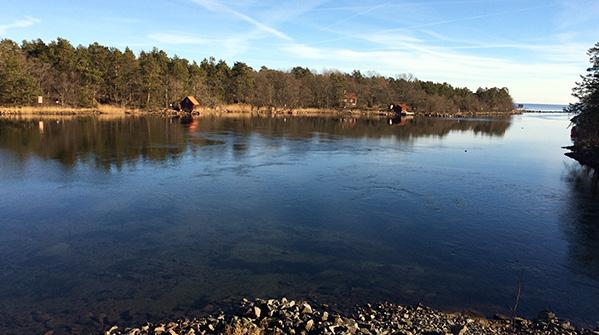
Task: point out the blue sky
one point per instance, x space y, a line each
536 48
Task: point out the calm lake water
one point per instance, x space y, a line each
105 221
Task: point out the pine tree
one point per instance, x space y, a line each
587 107
17 85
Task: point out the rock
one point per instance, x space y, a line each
309 324
566 325
547 315
276 317
459 329
433 332
40 317
112 329
306 308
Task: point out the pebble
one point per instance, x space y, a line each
299 317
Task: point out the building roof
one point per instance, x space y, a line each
192 99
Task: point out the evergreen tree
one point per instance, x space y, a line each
587 107
17 85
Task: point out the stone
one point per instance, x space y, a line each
40 317
325 316
309 324
433 332
459 329
566 325
112 329
306 308
547 315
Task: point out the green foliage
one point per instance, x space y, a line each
85 76
587 107
17 85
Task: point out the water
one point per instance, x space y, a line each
546 108
145 218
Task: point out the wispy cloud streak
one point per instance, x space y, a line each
219 7
25 22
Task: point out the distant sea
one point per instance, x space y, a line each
546 108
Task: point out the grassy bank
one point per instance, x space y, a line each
66 110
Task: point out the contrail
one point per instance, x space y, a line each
218 7
423 25
366 10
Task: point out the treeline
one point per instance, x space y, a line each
86 76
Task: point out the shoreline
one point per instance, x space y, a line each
585 156
282 316
227 110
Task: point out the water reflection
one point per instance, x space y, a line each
580 222
113 143
104 143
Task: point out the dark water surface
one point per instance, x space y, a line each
143 218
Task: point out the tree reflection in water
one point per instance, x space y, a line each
113 143
580 224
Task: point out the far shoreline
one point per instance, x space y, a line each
228 110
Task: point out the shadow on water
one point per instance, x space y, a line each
580 224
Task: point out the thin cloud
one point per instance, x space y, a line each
25 22
346 36
218 7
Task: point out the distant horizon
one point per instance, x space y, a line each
535 48
542 104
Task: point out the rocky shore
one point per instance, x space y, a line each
300 317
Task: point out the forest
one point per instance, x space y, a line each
85 76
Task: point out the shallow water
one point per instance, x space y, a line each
105 221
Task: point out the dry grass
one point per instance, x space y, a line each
111 109
62 110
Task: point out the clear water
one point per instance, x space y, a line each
146 218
